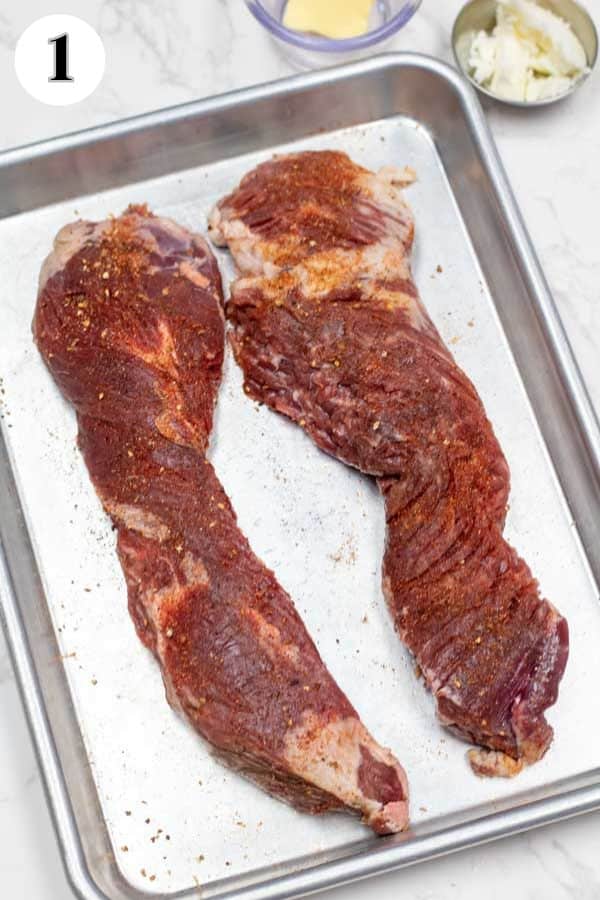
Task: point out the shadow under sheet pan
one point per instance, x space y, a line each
140 806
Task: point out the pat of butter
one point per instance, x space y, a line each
331 18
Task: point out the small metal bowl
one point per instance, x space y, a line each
480 15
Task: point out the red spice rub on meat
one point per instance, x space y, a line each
129 321
329 329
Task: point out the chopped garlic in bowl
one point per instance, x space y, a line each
530 56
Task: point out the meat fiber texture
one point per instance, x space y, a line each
329 330
130 322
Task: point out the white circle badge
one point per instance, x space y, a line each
60 59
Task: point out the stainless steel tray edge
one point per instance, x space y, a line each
53 779
388 853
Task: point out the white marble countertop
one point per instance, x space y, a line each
163 52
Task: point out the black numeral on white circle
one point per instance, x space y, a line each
61 58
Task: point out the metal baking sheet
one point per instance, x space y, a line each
140 805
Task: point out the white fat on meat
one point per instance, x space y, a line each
269 638
328 754
157 602
494 764
246 246
138 519
67 243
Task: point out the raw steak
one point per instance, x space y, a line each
329 329
129 321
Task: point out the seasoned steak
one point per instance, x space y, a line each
329 329
129 321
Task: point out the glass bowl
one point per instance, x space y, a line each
306 50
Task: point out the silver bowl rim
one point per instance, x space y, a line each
524 104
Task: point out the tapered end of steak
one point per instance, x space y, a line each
344 760
514 669
532 734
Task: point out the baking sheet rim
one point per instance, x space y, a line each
389 853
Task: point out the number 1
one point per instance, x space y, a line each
61 58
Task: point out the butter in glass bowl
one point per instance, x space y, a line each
315 33
337 19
